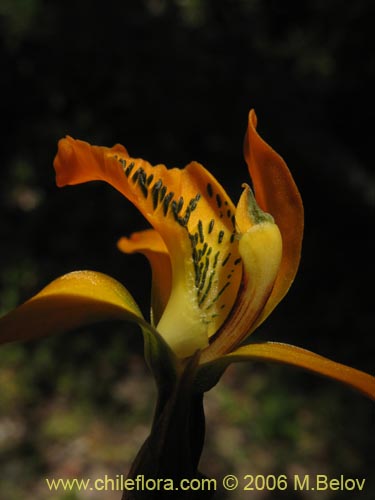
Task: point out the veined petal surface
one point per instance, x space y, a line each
195 218
260 247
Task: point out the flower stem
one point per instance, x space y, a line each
172 451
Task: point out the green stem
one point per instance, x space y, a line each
173 449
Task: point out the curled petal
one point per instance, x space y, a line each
289 355
151 245
277 194
260 247
195 218
73 300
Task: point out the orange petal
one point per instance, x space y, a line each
195 218
73 300
296 356
277 194
151 245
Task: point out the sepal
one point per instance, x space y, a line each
209 373
76 299
276 193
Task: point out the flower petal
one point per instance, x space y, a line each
290 355
195 218
151 245
73 300
277 194
260 247
82 298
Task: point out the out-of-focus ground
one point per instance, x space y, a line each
86 423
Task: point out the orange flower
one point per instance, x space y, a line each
218 269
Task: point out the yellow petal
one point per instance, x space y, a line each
277 194
151 245
296 356
260 247
73 300
195 218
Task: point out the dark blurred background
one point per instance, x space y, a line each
173 81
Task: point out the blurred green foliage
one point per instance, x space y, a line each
173 81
